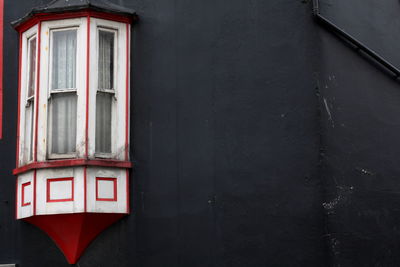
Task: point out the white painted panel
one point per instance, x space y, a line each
119 206
105 189
59 190
77 205
24 211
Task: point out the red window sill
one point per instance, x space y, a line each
73 163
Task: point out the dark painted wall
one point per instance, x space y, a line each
259 139
225 135
361 136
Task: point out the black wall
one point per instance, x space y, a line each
361 136
259 139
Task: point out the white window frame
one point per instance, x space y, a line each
120 110
24 139
118 119
53 91
108 91
30 101
44 134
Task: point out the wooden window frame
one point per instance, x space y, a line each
86 90
25 100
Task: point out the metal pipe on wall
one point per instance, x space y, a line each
359 45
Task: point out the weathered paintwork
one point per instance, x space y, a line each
259 139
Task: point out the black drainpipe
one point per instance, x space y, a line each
357 44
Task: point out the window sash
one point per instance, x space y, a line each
104 102
62 123
30 99
106 59
105 97
63 59
31 85
29 120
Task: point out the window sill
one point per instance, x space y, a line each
103 155
62 156
73 163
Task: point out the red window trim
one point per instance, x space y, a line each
127 94
23 203
115 196
19 98
50 180
73 163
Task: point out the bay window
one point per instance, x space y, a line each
75 91
73 120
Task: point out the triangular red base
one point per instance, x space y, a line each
73 232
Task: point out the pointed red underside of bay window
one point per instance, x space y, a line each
74 232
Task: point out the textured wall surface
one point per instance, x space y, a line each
361 136
259 139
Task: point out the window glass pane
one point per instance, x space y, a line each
29 130
30 104
64 59
63 123
106 59
103 122
31 66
